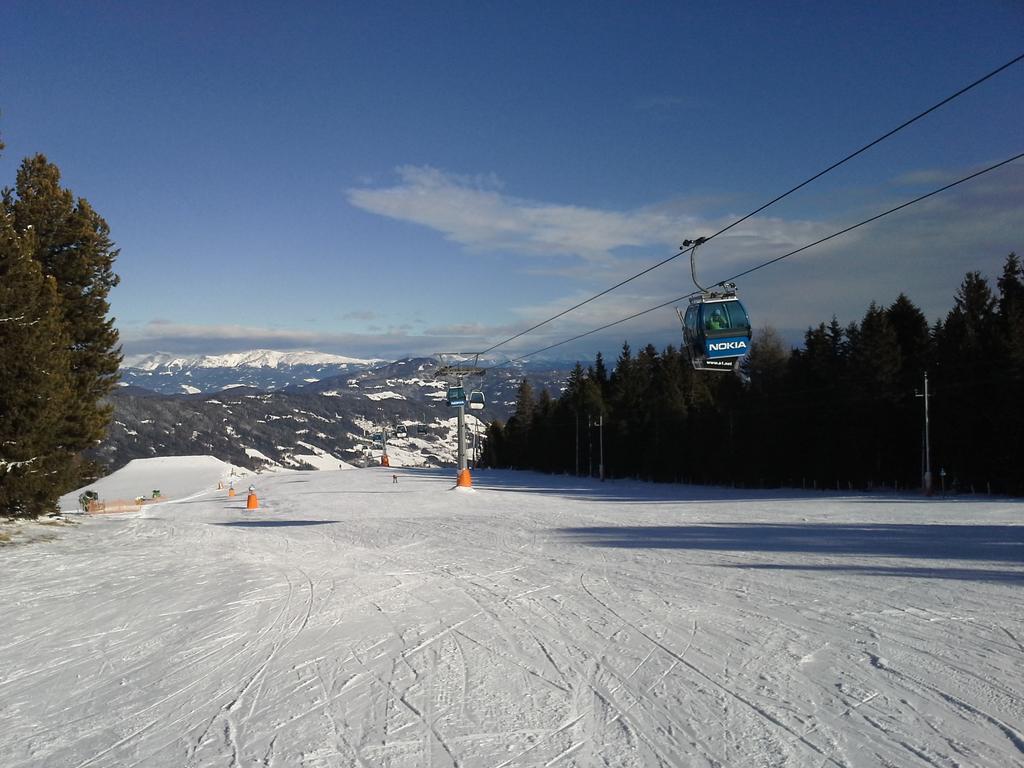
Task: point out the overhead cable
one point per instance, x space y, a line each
767 263
771 202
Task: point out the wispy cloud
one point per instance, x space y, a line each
923 251
365 314
476 213
161 328
395 341
932 177
468 330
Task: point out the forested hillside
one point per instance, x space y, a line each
845 410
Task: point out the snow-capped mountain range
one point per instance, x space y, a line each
257 358
275 409
264 369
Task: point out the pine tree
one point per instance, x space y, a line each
34 380
492 452
767 425
765 366
625 400
913 339
875 370
542 433
1011 315
517 430
817 377
601 374
72 244
970 326
875 356
1008 402
967 438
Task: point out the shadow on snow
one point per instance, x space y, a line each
961 574
642 492
1003 544
273 523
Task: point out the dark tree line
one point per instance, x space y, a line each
843 411
59 352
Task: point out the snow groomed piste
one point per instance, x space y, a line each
352 620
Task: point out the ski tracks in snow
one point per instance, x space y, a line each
373 629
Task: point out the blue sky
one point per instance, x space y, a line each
379 179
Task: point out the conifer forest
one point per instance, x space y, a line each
844 411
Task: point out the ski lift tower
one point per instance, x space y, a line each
454 368
385 460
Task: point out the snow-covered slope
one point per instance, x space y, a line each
176 477
356 621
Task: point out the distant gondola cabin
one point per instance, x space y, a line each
456 396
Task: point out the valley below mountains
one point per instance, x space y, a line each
267 410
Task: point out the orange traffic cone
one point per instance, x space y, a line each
464 481
251 502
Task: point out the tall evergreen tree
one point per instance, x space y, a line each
766 364
969 329
818 401
913 339
34 380
876 368
601 374
1007 400
1011 315
625 398
517 430
542 454
767 419
492 453
875 355
72 244
967 437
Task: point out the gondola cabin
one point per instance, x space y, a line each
477 400
716 332
456 396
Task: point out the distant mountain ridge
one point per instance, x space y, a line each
272 370
257 358
263 369
301 416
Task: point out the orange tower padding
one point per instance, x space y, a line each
384 461
251 502
464 481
